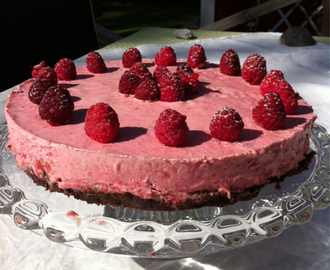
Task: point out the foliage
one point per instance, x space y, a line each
127 17
169 3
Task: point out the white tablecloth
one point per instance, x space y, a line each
298 247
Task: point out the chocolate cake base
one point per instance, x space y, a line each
197 200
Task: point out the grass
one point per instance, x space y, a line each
124 18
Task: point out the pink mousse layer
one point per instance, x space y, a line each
136 162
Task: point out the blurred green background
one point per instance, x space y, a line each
128 16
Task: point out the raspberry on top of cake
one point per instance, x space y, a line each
114 147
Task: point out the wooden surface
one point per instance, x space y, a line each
325 23
248 14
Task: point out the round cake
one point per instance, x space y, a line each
135 169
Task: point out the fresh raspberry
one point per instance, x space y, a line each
159 72
190 83
226 125
101 123
184 68
171 87
141 70
56 106
284 89
128 82
171 128
196 56
230 64
165 57
147 90
267 83
254 69
48 73
270 112
65 70
38 88
290 103
95 63
37 68
131 56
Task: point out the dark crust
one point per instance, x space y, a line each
197 200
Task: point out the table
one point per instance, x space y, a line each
298 247
162 36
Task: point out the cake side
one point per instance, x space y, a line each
196 200
136 163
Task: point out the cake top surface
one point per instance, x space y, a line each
137 118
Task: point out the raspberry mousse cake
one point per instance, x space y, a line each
158 135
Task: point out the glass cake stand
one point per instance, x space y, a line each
160 234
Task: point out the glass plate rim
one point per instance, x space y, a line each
182 237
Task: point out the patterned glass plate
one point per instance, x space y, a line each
165 234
